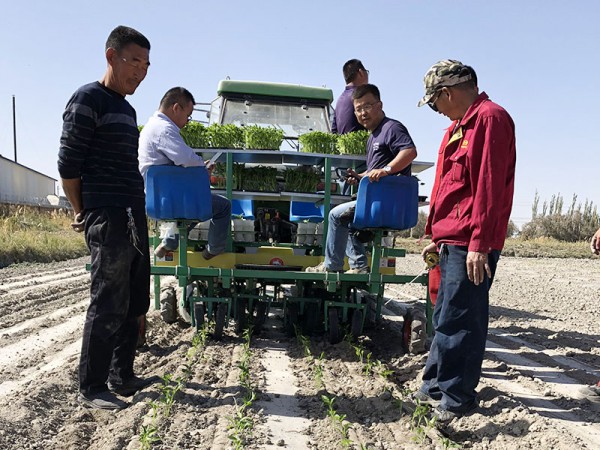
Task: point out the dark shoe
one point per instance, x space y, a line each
445 416
102 400
424 399
206 254
131 385
364 236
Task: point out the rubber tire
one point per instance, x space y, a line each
168 305
356 327
220 317
261 316
199 315
335 336
241 319
291 318
414 333
310 318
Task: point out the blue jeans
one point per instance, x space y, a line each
460 321
217 231
341 243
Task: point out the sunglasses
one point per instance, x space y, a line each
432 100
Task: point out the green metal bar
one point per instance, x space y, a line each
394 252
229 194
327 198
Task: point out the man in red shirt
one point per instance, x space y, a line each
469 212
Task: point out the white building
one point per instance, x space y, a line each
22 185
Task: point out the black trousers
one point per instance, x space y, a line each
119 293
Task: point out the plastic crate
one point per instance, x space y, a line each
174 192
243 208
392 202
305 212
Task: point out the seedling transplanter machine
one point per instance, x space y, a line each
282 187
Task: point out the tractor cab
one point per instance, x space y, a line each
294 109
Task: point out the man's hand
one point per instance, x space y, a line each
477 263
376 174
352 177
595 243
209 166
79 222
429 249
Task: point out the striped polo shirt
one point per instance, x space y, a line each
99 144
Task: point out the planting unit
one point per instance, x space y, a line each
277 232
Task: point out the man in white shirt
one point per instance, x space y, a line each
161 144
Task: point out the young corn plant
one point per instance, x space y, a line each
318 370
241 423
382 370
303 341
338 421
368 365
420 421
148 436
169 388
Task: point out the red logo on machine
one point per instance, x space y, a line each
276 262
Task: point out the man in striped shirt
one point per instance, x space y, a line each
98 166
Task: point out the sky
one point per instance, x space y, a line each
536 58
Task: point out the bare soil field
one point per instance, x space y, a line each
543 346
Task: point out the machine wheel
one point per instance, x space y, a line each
261 316
414 333
310 318
220 317
335 335
357 322
168 305
199 315
291 318
241 320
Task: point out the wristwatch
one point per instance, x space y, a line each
388 169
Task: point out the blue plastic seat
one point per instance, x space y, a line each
392 202
243 208
306 212
174 192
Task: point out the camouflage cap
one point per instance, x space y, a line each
447 72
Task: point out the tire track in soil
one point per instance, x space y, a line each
284 421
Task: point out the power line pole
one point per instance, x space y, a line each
14 127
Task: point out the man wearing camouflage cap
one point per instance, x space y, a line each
469 211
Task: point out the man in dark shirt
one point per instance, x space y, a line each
390 151
344 119
98 166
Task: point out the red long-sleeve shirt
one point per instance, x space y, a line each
472 194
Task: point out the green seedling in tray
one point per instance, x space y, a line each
261 138
354 143
318 142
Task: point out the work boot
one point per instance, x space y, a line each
161 251
131 385
320 268
358 270
207 255
102 400
424 399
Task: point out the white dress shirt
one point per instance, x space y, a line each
161 144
